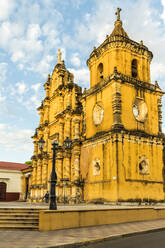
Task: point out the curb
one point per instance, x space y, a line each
112 237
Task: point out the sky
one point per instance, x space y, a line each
31 32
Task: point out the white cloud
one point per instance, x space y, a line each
2 98
36 87
81 76
75 60
6 7
3 71
33 32
157 70
32 103
9 31
163 13
14 139
43 67
21 88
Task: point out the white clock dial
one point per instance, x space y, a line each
98 113
139 109
135 111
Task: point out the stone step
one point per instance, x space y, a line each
15 218
23 217
20 227
17 223
19 210
18 220
19 214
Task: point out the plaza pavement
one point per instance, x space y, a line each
73 237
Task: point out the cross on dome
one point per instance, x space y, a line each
118 14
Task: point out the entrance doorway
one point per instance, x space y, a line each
2 191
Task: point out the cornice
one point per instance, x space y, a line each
119 41
123 78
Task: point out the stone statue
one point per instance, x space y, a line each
59 54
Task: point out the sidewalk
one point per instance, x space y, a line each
43 205
75 237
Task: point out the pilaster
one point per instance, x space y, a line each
116 104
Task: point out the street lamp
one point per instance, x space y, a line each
41 143
53 180
67 143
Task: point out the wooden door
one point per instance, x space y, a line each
2 191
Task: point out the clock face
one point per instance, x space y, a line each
140 110
135 110
98 113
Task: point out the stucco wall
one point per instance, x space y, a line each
13 180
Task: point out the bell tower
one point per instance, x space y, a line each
118 50
123 146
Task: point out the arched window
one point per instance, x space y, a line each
100 71
134 68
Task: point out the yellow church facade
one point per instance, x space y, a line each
116 152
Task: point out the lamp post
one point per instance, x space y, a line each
67 143
53 181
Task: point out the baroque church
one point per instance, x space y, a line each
115 128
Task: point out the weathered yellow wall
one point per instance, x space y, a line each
119 178
53 220
101 186
132 184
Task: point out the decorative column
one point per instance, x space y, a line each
35 147
61 133
67 127
34 173
46 104
76 128
39 165
67 175
76 195
61 102
68 100
41 116
84 116
66 169
44 171
59 170
160 114
116 102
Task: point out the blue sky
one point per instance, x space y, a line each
30 34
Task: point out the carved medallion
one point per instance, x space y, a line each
96 167
98 113
143 165
140 110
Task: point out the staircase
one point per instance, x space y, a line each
19 218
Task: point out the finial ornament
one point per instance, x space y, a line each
59 54
118 14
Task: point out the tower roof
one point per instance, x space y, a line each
119 38
118 29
